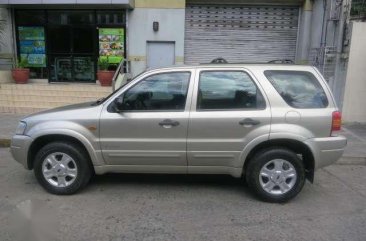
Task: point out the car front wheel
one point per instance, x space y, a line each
62 168
276 175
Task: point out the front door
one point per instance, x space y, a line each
228 111
151 130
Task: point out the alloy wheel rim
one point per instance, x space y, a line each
277 177
59 169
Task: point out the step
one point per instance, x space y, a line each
29 98
46 97
65 87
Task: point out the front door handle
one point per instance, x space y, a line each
168 123
249 122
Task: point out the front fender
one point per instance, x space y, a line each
77 131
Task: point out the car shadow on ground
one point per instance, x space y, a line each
171 181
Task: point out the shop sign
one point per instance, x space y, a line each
111 44
32 45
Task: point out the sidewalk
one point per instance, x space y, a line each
8 124
355 152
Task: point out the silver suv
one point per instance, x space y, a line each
272 124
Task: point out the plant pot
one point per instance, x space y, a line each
105 77
20 75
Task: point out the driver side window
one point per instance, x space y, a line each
160 92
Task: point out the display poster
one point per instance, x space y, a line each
111 44
32 45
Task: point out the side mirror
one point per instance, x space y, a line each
118 104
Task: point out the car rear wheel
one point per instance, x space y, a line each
62 168
276 175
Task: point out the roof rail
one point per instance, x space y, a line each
219 60
281 61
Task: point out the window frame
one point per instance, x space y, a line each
233 109
111 104
267 73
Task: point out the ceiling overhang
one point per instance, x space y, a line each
68 3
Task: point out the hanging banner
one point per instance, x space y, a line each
32 46
111 44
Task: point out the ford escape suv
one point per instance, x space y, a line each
273 124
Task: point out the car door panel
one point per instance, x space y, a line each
218 137
147 137
138 139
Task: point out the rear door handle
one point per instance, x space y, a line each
168 122
249 121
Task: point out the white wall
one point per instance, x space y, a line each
354 109
140 30
6 40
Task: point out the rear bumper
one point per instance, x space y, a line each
19 149
327 150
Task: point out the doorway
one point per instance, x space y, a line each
160 54
71 47
71 54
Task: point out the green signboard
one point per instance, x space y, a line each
111 44
32 46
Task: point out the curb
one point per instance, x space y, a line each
351 160
4 143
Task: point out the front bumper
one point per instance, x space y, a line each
327 150
19 149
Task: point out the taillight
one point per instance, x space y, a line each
336 121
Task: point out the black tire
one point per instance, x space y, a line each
262 158
77 153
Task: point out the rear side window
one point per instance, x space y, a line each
227 90
300 89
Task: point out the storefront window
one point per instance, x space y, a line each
58 39
110 18
83 69
70 47
30 17
72 69
70 17
32 49
83 39
60 68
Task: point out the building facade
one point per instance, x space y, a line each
63 39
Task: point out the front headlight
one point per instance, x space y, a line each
21 128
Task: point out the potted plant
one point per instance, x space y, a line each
105 76
20 73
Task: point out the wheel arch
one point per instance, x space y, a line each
43 140
296 146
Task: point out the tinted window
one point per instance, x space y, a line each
58 39
228 90
298 88
158 92
110 17
70 17
30 17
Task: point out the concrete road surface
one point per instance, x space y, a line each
180 207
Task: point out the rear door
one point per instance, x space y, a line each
228 111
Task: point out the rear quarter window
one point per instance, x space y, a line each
300 89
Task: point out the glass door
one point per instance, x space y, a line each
72 46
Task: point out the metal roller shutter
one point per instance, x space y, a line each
240 33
